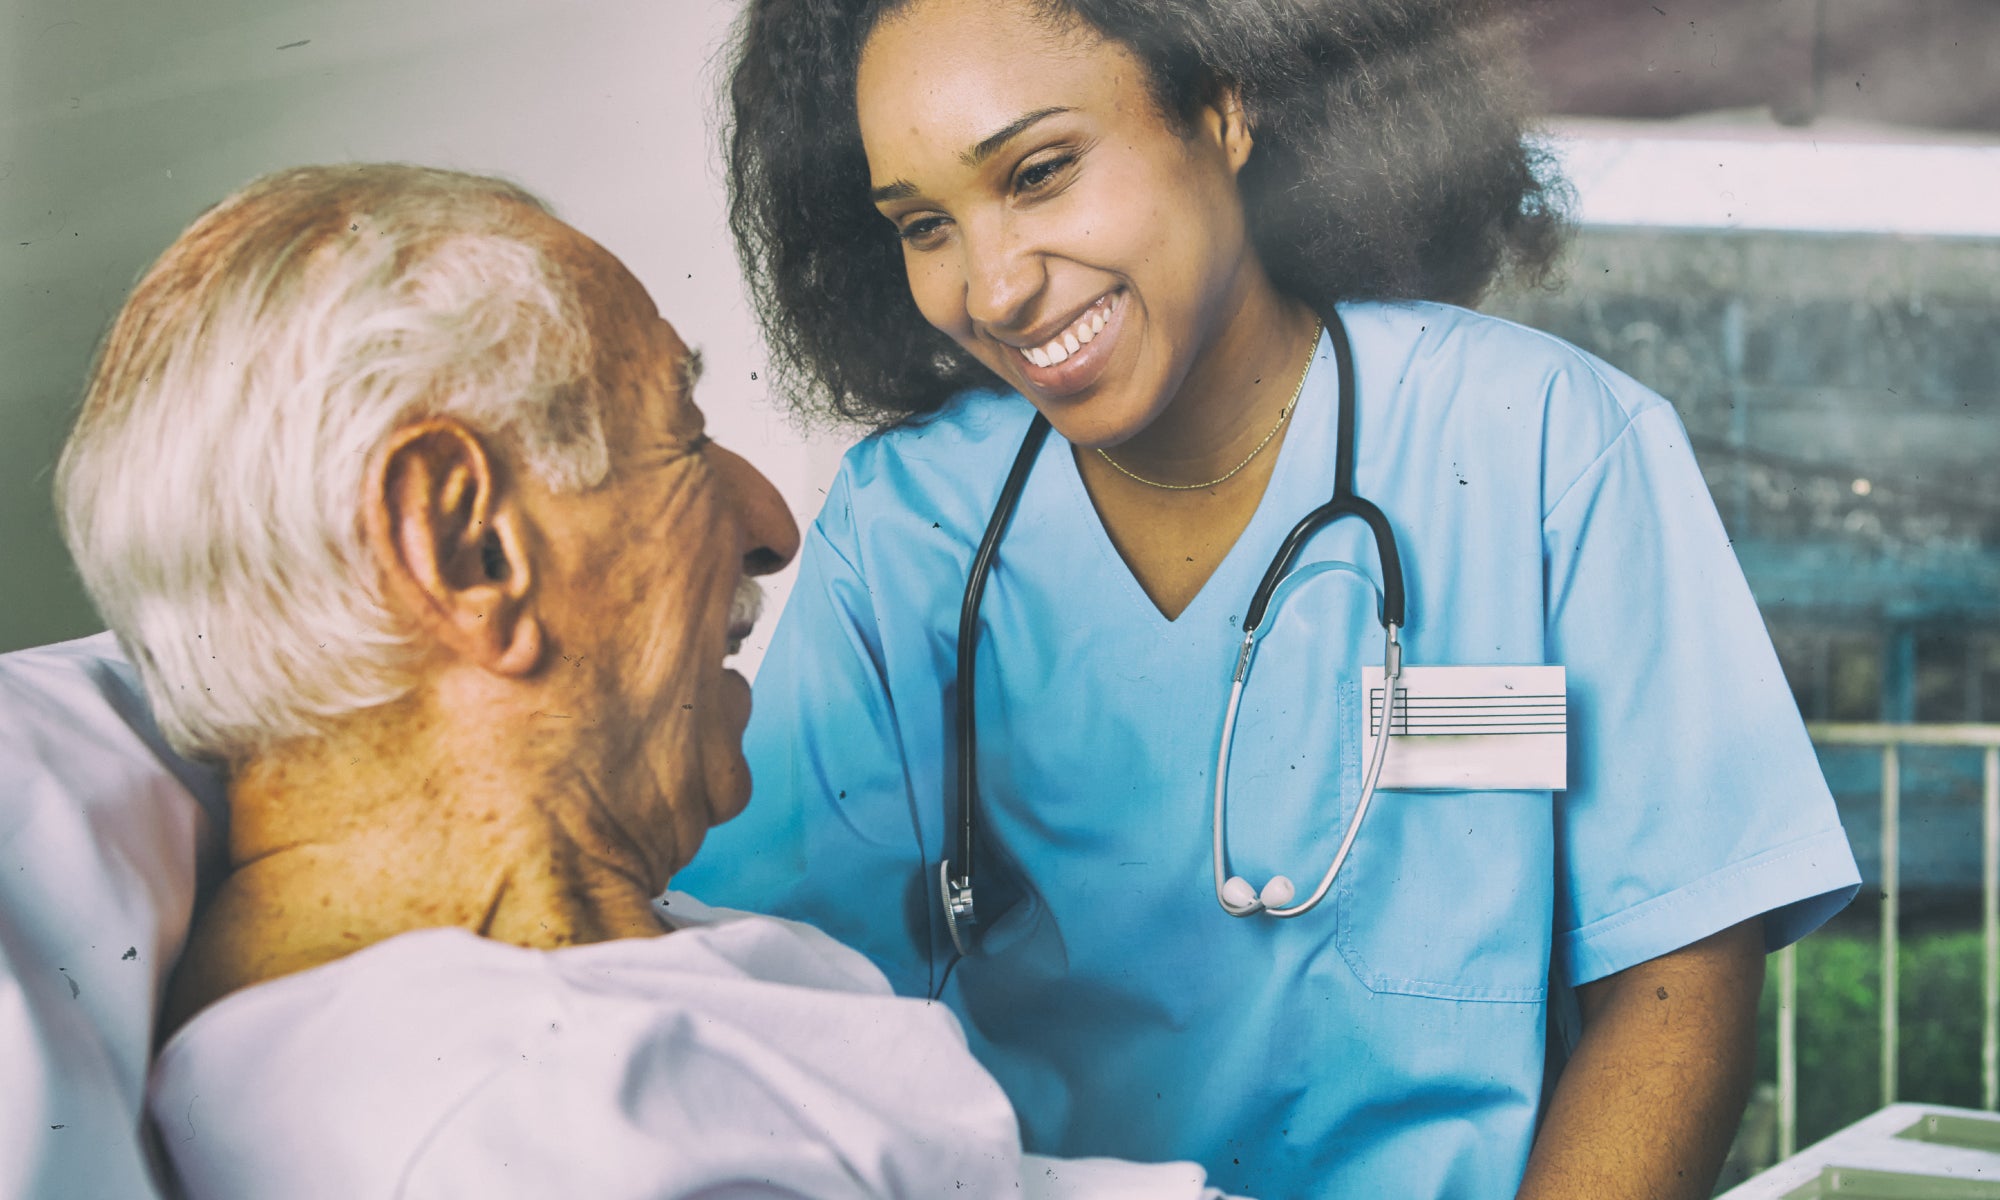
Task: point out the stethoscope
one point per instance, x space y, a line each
1232 892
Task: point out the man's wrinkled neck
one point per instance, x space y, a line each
487 821
402 823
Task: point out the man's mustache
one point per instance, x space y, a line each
746 606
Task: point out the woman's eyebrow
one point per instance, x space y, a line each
984 150
903 189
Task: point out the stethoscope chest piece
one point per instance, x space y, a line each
957 895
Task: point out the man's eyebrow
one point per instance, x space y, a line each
903 189
691 369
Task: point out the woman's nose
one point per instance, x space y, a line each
770 536
1002 277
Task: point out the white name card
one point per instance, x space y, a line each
1500 728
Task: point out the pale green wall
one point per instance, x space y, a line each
122 119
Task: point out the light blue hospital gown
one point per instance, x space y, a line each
1391 1042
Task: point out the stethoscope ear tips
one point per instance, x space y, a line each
1238 897
1240 901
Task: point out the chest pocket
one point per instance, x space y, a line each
1444 894
1450 894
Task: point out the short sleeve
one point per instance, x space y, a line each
830 835
1695 798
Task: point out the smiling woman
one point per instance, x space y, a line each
1089 253
1214 246
1389 164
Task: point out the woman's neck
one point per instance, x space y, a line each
1234 395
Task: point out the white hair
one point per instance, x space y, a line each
211 491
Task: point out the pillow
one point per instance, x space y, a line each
102 831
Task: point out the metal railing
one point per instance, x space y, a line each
1892 738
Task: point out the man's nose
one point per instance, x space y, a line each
770 536
1002 276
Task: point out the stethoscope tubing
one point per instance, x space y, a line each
956 891
1344 503
956 888
1219 856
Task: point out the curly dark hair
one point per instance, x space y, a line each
1391 162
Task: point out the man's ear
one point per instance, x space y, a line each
448 535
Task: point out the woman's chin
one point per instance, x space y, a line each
1104 421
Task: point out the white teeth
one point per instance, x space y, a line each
1070 340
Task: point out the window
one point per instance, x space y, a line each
1835 672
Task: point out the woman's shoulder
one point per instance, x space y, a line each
975 424
1475 389
1486 386
961 451
1428 342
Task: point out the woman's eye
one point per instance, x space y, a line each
1037 175
921 233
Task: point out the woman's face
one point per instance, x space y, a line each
1054 222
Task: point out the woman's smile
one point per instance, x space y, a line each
1084 243
1075 357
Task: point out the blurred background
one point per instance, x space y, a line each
1790 217
1790 226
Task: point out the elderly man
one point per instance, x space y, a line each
394 488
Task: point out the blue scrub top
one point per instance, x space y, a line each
1391 1042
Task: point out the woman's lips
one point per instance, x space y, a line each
1085 365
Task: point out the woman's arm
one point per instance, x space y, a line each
1650 1100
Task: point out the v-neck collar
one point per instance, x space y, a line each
1227 589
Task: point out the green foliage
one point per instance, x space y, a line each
1839 1025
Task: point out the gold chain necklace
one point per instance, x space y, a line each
1283 415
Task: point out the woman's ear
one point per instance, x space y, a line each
1224 119
449 536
